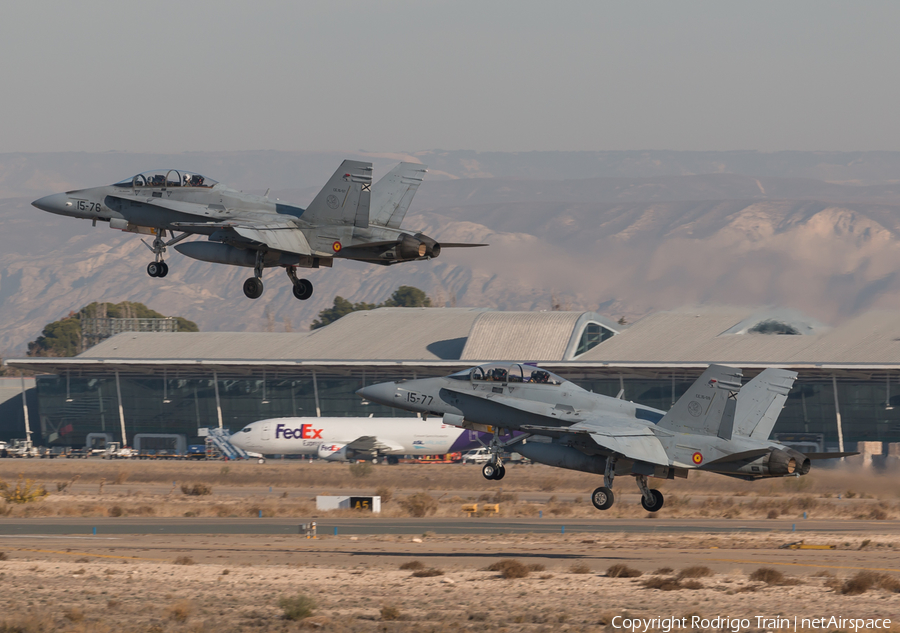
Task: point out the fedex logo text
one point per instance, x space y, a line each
306 432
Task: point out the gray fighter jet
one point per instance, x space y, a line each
718 425
350 218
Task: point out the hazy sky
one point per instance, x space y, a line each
403 75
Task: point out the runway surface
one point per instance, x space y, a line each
448 526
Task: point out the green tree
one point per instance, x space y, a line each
340 308
63 337
408 297
403 297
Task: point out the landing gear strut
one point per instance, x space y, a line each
158 267
253 287
303 288
603 498
652 500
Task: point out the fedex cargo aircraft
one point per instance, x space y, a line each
345 439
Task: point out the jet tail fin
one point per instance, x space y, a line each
392 195
345 198
708 407
760 402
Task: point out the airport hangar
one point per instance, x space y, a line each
157 382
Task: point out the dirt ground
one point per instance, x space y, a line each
225 583
234 583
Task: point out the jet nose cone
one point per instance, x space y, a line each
55 203
382 393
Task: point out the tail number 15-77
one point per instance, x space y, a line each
419 398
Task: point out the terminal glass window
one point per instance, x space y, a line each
592 335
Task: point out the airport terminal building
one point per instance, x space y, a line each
164 382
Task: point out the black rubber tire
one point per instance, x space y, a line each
501 473
253 288
163 269
489 471
659 500
153 269
303 289
603 498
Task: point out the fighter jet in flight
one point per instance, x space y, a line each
718 425
349 219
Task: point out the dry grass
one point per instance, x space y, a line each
297 607
413 565
196 490
662 583
184 560
865 580
697 571
623 571
510 568
427 573
390 612
579 568
710 495
180 611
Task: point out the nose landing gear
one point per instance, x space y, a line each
158 267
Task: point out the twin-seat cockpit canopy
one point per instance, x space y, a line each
509 372
167 178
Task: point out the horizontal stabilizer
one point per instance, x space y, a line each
460 245
830 455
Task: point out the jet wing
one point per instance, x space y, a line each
614 434
371 444
282 237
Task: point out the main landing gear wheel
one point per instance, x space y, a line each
303 289
154 269
500 474
253 288
657 501
602 498
163 269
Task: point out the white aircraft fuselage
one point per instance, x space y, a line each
340 439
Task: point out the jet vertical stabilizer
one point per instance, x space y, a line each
760 402
339 200
392 195
704 409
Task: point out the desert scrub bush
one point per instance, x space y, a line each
509 568
390 612
121 477
623 571
772 577
180 611
773 514
419 505
663 571
427 573
662 583
385 493
297 607
3 556
184 560
579 568
115 511
73 614
361 470
413 565
196 490
697 571
865 580
25 490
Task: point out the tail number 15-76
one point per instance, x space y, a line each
419 398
